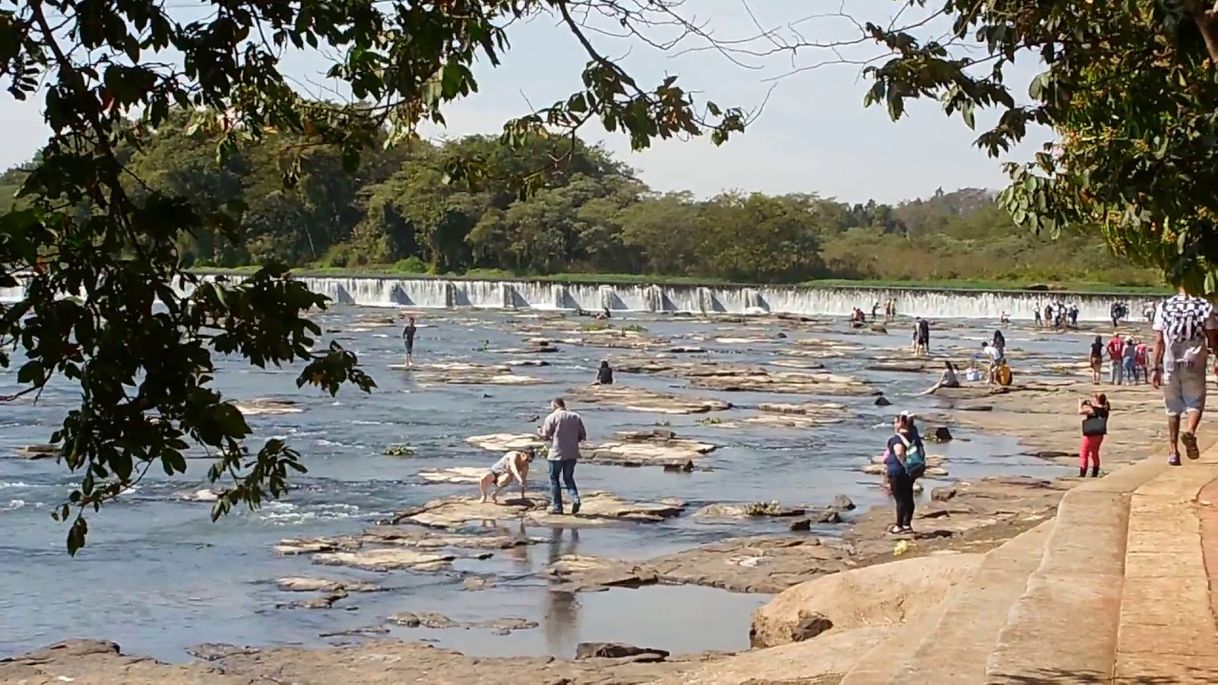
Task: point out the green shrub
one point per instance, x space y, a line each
410 265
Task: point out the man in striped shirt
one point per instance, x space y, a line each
1186 329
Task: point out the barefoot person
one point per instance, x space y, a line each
565 430
1185 330
1095 412
949 379
1097 359
408 338
512 466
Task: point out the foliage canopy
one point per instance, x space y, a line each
108 304
1129 87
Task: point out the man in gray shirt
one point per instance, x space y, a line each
565 430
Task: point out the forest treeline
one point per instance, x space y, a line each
586 212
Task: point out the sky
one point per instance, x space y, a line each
813 134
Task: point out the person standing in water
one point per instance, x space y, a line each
1186 329
408 332
1095 426
875 310
1097 359
565 430
1000 342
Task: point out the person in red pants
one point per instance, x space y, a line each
1095 426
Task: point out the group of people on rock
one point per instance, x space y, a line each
1128 360
1056 314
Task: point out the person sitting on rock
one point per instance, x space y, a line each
512 466
948 380
604 375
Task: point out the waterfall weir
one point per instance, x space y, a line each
437 293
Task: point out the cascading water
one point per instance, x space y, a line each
435 293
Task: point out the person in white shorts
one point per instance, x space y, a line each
1186 328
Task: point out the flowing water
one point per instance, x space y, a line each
157 576
435 293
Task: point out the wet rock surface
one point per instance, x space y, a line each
873 595
372 662
580 573
618 650
461 373
658 447
267 405
432 620
598 508
643 400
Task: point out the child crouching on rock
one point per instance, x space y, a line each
1095 426
512 466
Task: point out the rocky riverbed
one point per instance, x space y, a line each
765 429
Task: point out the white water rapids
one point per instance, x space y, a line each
437 293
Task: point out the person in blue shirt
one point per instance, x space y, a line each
900 482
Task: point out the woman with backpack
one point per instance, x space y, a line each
905 461
1095 426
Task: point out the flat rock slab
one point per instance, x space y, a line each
784 382
504 442
578 573
385 559
265 405
434 621
639 399
470 374
454 474
381 662
647 448
303 584
38 451
752 564
598 508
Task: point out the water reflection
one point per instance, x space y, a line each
560 620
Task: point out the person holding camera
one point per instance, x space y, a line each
1095 412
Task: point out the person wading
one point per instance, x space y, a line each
1095 412
565 430
1185 330
408 332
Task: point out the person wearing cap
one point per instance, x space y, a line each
512 466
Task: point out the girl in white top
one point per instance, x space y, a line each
512 466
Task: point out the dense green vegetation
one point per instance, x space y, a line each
588 214
1128 89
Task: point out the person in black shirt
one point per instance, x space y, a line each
1095 412
1097 358
408 338
604 375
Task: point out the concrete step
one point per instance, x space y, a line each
961 644
951 643
1167 631
1064 626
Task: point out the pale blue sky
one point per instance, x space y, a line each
813 136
